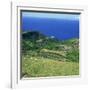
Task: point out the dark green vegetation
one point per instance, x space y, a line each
47 56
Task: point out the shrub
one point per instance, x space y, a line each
73 55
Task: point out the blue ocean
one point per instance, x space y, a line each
60 28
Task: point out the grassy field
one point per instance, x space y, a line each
41 67
43 56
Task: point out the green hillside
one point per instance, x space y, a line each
48 56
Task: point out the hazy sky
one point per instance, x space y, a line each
50 15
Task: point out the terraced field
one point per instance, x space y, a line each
42 57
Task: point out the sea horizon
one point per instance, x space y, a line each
60 28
